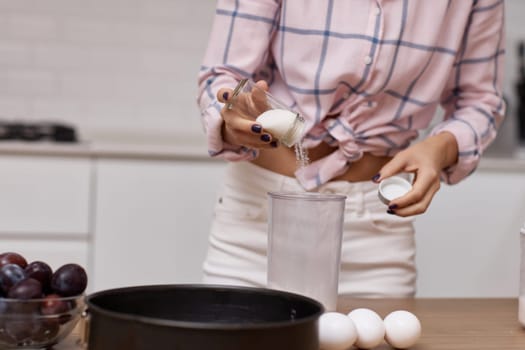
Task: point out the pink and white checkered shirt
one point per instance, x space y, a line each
367 75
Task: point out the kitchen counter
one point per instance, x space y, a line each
171 151
190 149
447 324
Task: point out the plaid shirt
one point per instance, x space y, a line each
366 75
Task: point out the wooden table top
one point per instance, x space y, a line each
454 324
447 324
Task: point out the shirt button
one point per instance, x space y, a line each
367 60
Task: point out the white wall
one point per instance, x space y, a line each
125 69
122 69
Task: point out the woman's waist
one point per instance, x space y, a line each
284 161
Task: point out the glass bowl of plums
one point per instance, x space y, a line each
39 307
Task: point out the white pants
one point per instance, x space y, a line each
378 251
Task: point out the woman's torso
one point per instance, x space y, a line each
366 75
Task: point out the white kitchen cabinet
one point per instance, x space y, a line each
152 220
468 241
42 195
45 208
135 220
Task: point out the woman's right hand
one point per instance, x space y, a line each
239 126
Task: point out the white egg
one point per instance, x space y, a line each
370 328
336 331
403 329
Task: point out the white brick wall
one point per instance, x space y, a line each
114 68
119 68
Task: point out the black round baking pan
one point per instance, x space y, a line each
199 316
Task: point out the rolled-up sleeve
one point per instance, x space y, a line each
473 101
238 45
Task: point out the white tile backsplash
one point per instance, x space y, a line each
121 66
30 27
12 107
30 82
100 32
15 54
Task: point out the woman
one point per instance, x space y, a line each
368 77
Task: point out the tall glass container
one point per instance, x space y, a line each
304 244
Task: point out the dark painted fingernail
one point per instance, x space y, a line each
392 207
225 96
376 177
265 137
391 212
256 128
274 144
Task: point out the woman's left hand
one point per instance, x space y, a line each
425 160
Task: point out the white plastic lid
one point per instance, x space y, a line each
392 188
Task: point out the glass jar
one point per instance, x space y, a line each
285 124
